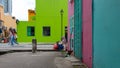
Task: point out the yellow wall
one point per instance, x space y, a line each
7 19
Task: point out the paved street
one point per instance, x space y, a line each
44 58
29 60
25 46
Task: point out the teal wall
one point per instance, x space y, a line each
47 14
106 34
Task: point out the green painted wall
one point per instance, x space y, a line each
47 14
22 31
106 34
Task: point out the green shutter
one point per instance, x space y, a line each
28 31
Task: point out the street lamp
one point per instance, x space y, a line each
61 13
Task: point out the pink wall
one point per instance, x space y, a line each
87 32
70 13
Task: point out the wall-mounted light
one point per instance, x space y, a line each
17 21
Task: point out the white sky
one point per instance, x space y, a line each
20 8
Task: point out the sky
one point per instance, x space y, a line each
20 8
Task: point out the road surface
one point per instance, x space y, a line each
29 60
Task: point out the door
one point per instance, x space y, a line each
78 28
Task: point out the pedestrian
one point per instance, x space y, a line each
5 35
15 35
60 46
63 40
56 45
0 35
11 37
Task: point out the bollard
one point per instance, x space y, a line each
34 45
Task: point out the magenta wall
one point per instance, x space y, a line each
70 13
87 32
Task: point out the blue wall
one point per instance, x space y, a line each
106 34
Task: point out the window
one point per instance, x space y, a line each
30 31
46 31
6 7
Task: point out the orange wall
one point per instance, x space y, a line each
30 14
9 22
7 19
1 13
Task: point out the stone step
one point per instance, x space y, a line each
72 59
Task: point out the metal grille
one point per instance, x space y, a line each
78 28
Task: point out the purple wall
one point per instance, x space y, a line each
87 32
70 13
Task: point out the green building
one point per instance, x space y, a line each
49 25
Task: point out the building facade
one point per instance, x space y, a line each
70 24
7 4
6 19
80 30
31 15
87 49
106 34
97 22
50 23
6 22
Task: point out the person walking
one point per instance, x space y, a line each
15 35
12 37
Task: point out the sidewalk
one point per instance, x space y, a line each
62 63
25 46
69 62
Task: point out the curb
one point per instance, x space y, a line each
2 52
